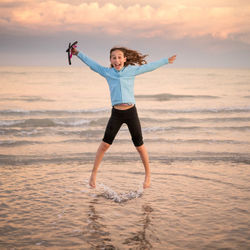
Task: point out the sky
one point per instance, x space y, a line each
207 34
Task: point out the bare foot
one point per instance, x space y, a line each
92 180
146 183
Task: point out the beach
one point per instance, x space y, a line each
195 125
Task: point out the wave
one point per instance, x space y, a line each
13 143
71 122
87 158
44 122
16 112
9 123
197 141
89 133
168 97
196 120
27 99
78 122
18 160
161 140
20 112
226 110
23 132
17 143
193 128
43 131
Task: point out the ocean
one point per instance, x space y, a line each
195 125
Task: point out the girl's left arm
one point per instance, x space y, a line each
153 65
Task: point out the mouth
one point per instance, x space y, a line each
117 65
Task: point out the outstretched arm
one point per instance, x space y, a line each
153 65
92 64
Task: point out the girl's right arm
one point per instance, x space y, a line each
92 64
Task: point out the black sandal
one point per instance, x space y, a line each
71 46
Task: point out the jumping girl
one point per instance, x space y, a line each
120 77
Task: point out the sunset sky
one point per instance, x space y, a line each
214 33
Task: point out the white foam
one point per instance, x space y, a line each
104 191
11 122
153 129
27 133
110 194
209 110
36 112
71 122
39 243
15 111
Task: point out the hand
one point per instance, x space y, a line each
74 51
171 59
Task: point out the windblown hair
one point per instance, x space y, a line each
133 57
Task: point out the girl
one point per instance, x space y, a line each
120 77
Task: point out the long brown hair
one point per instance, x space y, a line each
133 57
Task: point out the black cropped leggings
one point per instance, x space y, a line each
118 117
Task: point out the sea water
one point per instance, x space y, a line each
196 128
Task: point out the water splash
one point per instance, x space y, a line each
106 192
110 194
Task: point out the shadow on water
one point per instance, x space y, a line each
98 236
139 239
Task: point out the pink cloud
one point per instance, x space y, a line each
175 19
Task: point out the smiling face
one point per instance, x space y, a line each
117 59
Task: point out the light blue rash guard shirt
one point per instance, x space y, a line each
121 83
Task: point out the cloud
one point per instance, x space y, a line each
224 19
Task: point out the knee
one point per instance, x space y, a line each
140 149
104 146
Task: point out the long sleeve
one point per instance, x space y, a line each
121 83
137 70
92 64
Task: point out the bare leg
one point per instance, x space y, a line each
98 158
145 160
